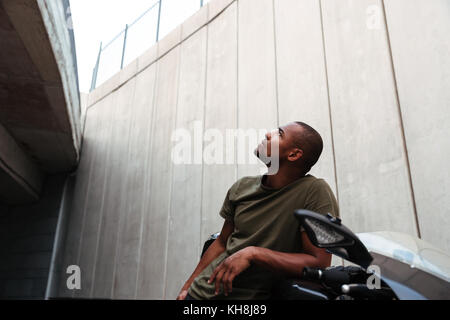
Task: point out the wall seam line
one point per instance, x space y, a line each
147 183
101 214
276 64
83 220
203 142
180 53
123 216
107 177
329 100
236 169
402 128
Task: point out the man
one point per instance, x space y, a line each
261 240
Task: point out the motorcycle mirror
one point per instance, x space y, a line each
329 232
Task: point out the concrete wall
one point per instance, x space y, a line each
369 77
27 235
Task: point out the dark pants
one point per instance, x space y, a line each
189 297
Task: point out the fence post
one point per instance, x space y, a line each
124 46
94 75
159 20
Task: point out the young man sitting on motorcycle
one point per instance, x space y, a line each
261 241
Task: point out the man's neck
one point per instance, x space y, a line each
282 178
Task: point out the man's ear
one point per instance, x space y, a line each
295 154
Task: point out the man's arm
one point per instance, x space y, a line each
214 250
291 264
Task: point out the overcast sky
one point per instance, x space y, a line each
101 20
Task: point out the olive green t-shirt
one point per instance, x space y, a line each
264 217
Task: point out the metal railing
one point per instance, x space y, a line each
133 40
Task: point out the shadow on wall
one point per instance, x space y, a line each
27 237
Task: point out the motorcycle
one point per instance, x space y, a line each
379 265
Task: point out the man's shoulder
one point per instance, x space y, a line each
245 182
311 185
310 181
318 183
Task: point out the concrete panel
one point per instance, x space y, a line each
302 81
155 226
114 205
135 181
95 200
109 213
148 57
82 187
104 89
420 45
84 104
195 22
372 176
257 106
220 114
169 41
217 6
128 72
186 192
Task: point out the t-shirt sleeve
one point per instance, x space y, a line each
321 199
227 210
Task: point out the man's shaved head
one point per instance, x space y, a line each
299 146
310 141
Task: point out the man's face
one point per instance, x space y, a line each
280 141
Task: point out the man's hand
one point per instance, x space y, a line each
230 268
183 293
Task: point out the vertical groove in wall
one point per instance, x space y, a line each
85 201
402 128
329 99
103 200
122 215
180 53
237 90
82 133
203 142
276 64
146 181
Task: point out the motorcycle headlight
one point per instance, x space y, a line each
324 234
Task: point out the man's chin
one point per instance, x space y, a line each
256 152
263 158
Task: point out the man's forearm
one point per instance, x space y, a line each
287 263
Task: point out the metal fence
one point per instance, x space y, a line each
140 35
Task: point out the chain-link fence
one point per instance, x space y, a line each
141 34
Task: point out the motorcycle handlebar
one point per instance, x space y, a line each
333 278
312 273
